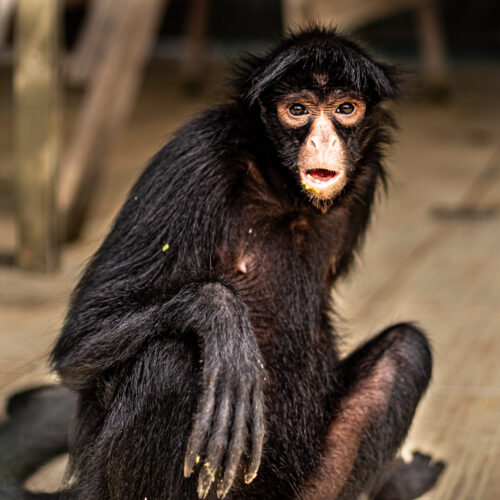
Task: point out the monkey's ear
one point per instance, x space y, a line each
265 73
384 80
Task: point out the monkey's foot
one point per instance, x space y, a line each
409 480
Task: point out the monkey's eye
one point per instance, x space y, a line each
347 108
297 110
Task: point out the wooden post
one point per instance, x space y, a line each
106 107
92 41
37 132
6 9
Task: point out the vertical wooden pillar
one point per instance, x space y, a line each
37 132
106 106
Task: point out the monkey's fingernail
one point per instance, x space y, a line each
205 480
204 483
189 464
202 493
225 485
250 477
203 488
222 491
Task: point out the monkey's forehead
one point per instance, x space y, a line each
321 60
317 86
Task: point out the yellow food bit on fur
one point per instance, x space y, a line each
197 459
165 247
306 185
309 188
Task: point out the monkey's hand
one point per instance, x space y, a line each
229 419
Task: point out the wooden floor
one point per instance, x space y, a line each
432 255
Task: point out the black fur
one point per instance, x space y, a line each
163 329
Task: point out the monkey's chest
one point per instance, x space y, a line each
281 273
280 266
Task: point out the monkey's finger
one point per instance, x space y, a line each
238 441
201 426
257 432
216 445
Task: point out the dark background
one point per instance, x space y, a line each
471 28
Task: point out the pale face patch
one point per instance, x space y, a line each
332 107
321 160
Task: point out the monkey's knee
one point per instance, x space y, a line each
410 350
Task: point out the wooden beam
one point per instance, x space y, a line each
6 9
106 107
37 132
92 40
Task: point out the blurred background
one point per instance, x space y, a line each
90 89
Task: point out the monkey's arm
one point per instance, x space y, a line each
232 372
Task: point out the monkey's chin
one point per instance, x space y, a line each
322 183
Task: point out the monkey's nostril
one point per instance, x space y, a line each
315 141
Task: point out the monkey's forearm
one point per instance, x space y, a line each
212 310
230 413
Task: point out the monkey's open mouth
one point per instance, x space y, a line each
318 179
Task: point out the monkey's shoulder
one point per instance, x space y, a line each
205 142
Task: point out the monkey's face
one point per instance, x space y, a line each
320 128
318 99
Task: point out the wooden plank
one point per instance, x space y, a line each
37 130
91 42
6 8
106 107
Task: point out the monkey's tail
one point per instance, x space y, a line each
35 430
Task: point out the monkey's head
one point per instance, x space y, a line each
318 96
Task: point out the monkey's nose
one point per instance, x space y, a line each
322 141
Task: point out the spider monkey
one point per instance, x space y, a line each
200 341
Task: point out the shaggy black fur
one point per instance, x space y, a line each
168 336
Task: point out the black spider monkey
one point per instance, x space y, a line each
200 341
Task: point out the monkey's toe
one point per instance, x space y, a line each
409 480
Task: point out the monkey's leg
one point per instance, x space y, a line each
138 450
383 382
36 430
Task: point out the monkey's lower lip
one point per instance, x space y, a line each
319 178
